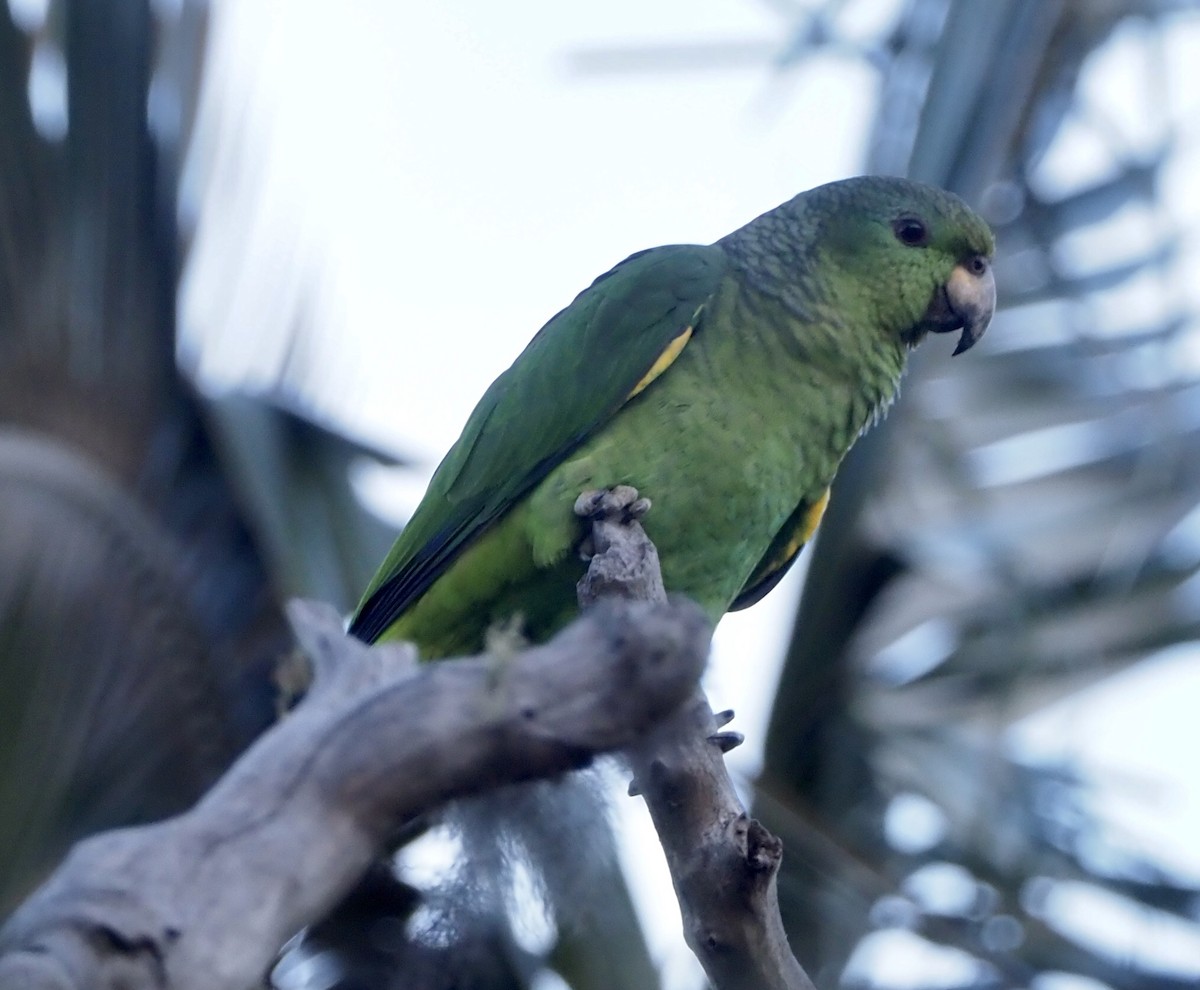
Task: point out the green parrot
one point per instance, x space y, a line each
724 382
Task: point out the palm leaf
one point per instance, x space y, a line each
1010 536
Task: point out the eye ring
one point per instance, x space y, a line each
911 231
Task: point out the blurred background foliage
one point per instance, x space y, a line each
1022 531
1018 531
147 534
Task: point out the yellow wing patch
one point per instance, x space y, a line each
665 360
812 519
780 555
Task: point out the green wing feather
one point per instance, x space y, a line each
571 378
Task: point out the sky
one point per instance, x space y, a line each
434 181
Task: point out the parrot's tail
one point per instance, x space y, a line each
539 861
546 841
522 878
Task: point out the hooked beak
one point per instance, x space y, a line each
966 302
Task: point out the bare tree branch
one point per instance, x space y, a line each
723 863
206 900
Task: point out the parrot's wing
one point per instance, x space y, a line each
782 552
609 344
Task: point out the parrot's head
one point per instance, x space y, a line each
917 258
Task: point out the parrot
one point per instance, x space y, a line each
724 383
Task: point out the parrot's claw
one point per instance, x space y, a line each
724 717
727 740
620 504
633 789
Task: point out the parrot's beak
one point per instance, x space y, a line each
966 302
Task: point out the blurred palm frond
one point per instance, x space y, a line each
143 554
1017 531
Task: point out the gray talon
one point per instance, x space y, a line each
621 503
623 496
639 508
590 503
727 740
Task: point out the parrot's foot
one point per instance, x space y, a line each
725 741
621 504
621 559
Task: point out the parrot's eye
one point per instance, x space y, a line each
911 231
978 265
